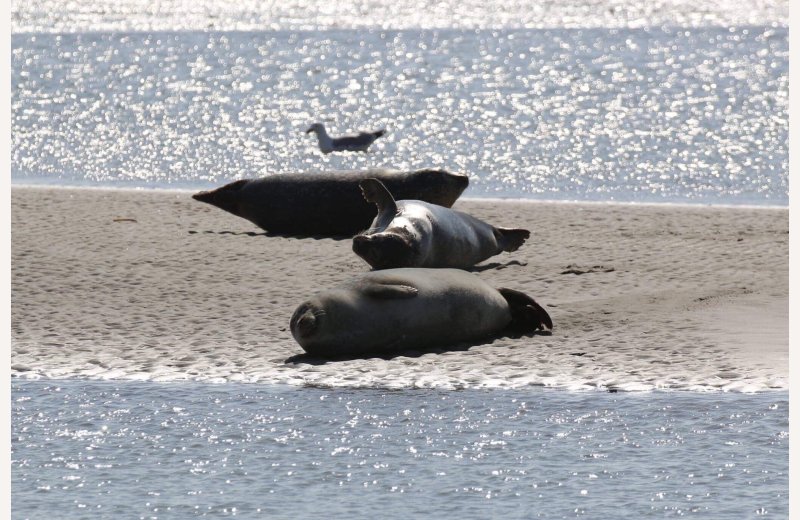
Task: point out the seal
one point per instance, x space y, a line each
326 204
414 233
411 308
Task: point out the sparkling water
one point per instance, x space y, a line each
653 114
90 449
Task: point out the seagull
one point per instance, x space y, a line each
348 143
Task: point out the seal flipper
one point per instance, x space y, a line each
389 290
510 239
526 314
374 191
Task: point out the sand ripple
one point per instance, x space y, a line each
154 286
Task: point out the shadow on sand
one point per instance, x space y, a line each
497 265
271 235
309 359
338 238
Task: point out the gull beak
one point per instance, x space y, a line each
311 129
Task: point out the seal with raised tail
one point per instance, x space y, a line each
401 309
326 204
414 233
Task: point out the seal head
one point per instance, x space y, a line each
387 250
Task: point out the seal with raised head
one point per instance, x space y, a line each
411 308
414 233
326 203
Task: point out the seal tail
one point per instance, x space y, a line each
526 314
379 133
510 239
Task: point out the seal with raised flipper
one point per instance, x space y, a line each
415 233
326 204
411 308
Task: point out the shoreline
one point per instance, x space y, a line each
666 297
467 198
282 386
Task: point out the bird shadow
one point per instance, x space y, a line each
310 359
497 266
270 234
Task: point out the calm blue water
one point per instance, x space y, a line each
660 114
90 449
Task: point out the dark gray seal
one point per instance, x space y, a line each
414 233
326 203
400 309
